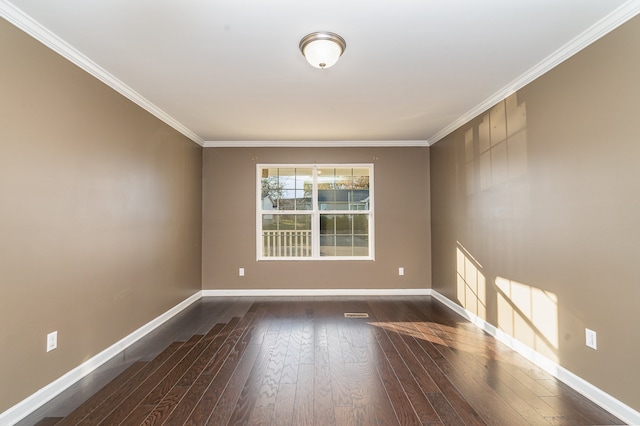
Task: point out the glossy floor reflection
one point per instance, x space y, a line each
299 361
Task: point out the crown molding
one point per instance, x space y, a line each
607 24
27 24
312 144
21 20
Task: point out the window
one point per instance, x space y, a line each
315 211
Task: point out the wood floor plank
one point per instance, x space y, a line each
303 402
587 408
371 404
229 392
340 389
285 400
49 421
487 400
216 352
355 336
457 401
217 349
136 416
203 396
477 357
323 412
445 410
292 357
137 396
102 395
239 398
161 411
169 381
396 352
215 387
194 393
264 406
568 414
574 406
98 414
399 400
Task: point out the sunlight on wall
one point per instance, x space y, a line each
471 293
530 315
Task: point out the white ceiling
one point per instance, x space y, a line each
229 72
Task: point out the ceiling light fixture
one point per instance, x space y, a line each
322 49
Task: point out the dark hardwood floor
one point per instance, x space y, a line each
299 361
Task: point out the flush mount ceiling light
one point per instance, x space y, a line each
322 49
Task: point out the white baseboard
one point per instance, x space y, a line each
598 396
318 292
44 395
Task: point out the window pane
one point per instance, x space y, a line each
304 189
361 178
287 178
286 235
326 178
343 189
303 200
287 189
270 189
287 222
327 224
361 245
326 199
344 245
304 179
343 177
344 235
343 224
269 222
327 245
303 222
359 200
360 224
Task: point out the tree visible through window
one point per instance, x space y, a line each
313 212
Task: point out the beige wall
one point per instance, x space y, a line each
100 216
401 221
535 209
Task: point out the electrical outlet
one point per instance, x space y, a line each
241 272
52 341
591 338
400 271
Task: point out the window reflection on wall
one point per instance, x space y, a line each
471 285
495 216
496 151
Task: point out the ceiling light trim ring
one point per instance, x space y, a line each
322 36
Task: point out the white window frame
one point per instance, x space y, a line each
314 212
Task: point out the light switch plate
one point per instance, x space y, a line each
52 341
591 338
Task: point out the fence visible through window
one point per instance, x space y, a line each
286 243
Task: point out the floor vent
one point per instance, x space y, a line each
356 315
